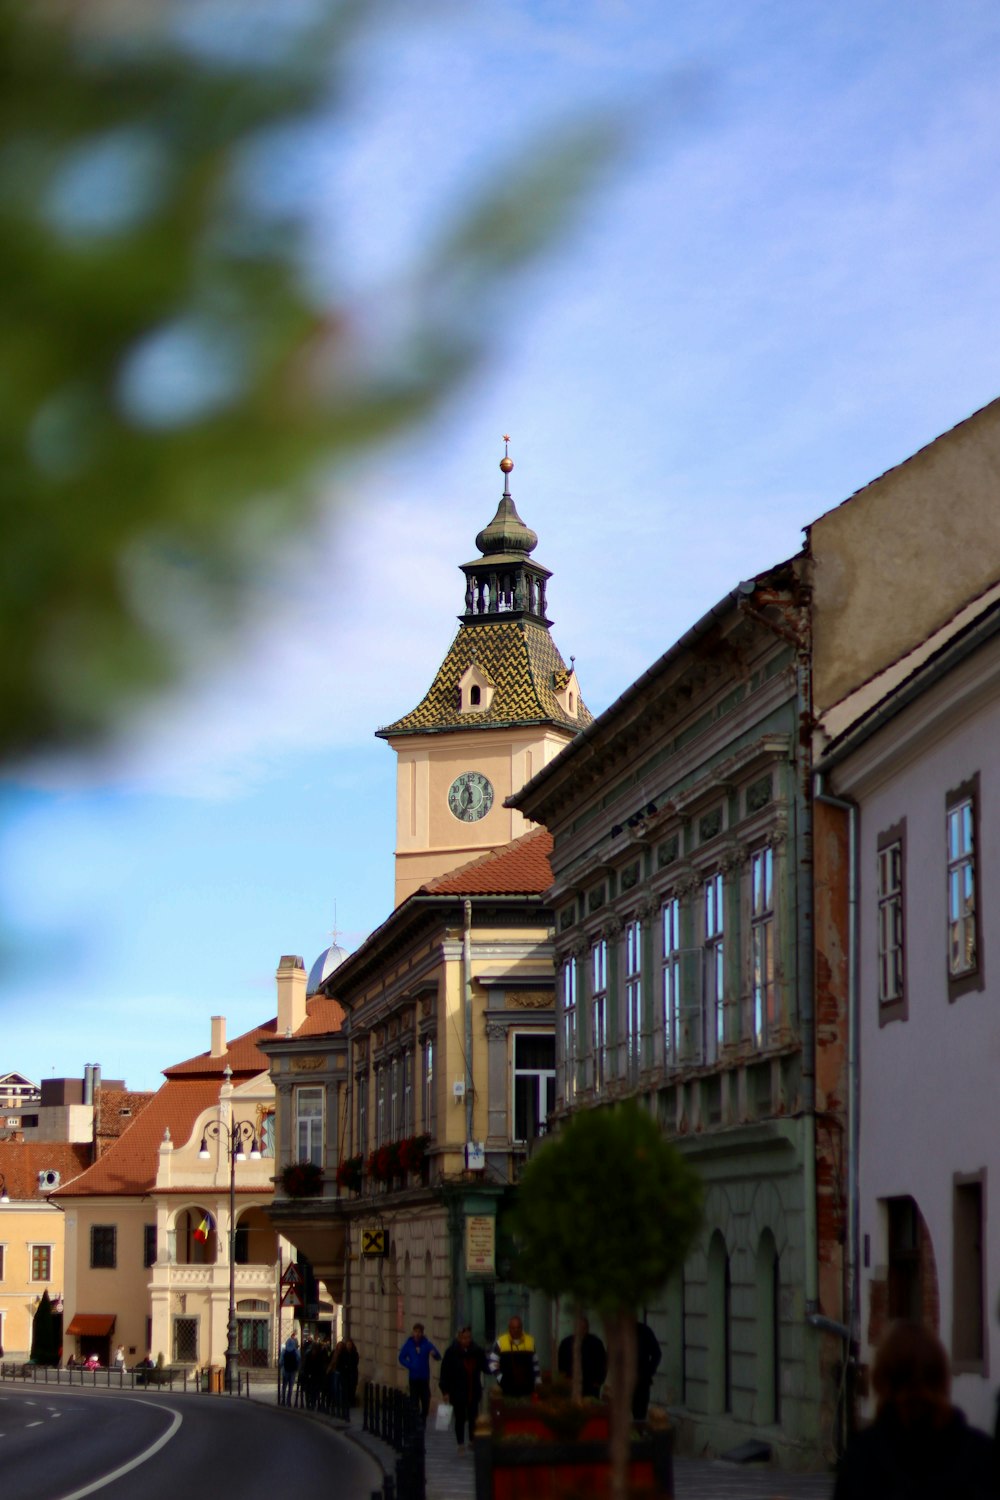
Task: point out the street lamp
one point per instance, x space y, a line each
234 1137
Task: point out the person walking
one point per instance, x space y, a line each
415 1356
461 1381
647 1361
514 1361
593 1360
348 1361
289 1363
920 1446
120 1357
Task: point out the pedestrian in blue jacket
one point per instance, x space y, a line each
415 1357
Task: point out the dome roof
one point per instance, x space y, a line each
331 958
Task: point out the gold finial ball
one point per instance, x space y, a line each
506 464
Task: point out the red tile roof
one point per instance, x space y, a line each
242 1055
21 1161
516 869
129 1165
323 1016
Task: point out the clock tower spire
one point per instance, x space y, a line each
503 703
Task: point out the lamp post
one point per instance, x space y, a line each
234 1137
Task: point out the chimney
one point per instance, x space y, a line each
291 977
218 1036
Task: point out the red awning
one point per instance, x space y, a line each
92 1325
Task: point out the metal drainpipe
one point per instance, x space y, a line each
467 1007
853 1191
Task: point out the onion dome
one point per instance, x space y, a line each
506 533
331 958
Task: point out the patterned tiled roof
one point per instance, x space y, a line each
524 662
516 869
117 1109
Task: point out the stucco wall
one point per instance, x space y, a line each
896 560
928 1082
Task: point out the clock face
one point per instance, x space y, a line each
470 796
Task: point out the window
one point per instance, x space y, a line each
569 1029
670 927
361 1145
427 1087
309 1125
968 1338
103 1246
41 1262
714 966
964 935
475 694
762 944
633 1000
395 1098
599 1010
3 1249
891 947
408 1092
380 1102
149 1245
185 1341
534 1082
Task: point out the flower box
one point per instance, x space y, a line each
527 1455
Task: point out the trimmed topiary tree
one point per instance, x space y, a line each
44 1334
606 1213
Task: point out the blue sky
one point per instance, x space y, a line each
788 284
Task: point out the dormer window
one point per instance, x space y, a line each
475 690
567 693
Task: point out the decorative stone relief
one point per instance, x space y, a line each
630 876
667 852
759 794
595 898
710 825
307 1064
527 999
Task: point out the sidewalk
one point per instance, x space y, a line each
451 1475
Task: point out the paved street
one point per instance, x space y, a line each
450 1475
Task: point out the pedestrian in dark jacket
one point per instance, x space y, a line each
647 1361
462 1371
347 1369
919 1446
593 1360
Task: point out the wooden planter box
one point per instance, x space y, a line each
522 1459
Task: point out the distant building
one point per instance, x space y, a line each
32 1233
147 1226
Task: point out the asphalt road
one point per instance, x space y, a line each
62 1445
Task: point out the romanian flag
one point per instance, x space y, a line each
204 1229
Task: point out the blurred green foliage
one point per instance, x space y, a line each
174 392
606 1211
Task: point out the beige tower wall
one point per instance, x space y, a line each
931 529
430 840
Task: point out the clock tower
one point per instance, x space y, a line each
502 705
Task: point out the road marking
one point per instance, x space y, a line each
133 1463
32 1424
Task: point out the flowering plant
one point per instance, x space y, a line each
349 1173
302 1179
383 1163
413 1153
